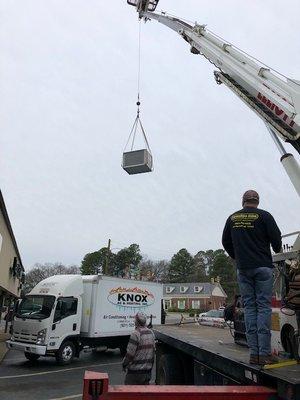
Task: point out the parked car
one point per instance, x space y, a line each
213 318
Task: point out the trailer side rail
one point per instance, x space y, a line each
96 387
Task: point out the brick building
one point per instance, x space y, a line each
197 296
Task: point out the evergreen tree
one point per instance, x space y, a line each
202 260
224 268
181 267
93 261
127 261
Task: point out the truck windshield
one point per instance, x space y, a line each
35 307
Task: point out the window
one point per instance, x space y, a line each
65 307
167 304
195 304
198 289
214 313
181 304
169 289
35 307
183 289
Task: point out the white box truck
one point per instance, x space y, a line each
65 313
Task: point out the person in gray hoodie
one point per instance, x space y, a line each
139 359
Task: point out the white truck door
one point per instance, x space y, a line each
66 320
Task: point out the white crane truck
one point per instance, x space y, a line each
203 355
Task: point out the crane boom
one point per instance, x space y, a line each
272 96
274 99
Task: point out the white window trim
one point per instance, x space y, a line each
183 289
183 303
198 289
198 304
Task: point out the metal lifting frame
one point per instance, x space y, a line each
96 387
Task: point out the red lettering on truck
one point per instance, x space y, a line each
273 107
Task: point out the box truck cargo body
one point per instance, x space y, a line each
65 313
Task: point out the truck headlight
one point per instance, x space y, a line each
41 336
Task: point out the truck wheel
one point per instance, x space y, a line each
31 357
65 353
170 371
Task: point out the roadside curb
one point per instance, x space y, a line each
3 351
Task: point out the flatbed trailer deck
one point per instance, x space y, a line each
203 355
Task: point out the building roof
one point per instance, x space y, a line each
9 227
206 289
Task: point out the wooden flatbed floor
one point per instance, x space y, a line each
215 348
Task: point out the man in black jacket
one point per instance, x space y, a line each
247 237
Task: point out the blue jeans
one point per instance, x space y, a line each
256 289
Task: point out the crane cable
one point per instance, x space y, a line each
138 123
139 66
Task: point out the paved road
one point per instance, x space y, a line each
45 380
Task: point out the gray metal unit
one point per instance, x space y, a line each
137 161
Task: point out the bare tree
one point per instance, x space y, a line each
160 270
43 271
154 270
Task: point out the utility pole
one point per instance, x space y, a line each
107 257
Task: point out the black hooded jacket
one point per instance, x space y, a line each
248 235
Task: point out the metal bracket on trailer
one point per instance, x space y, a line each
96 387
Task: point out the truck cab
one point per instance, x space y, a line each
48 319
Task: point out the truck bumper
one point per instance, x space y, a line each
29 347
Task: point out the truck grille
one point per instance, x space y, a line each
25 337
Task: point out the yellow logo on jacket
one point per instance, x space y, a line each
244 220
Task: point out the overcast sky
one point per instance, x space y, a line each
68 79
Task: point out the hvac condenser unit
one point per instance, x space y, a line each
137 161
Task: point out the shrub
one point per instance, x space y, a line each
172 309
